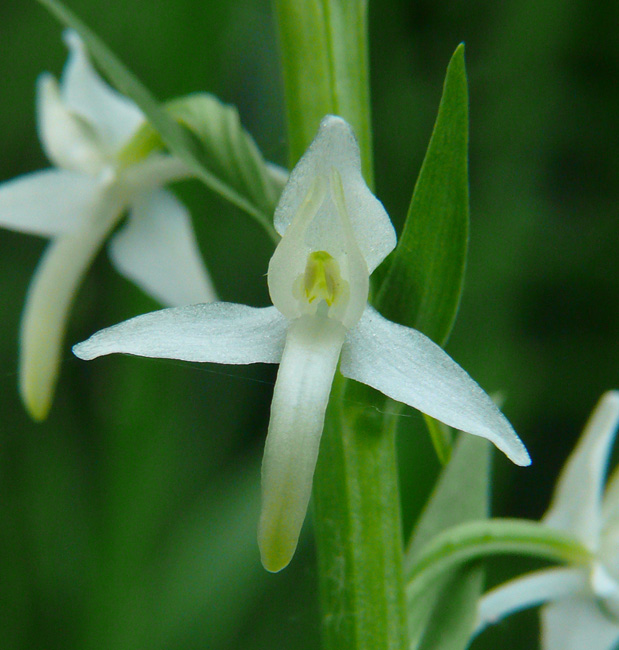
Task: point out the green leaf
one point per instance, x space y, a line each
179 140
423 282
461 494
228 150
453 618
441 437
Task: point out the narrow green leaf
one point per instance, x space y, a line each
474 540
423 282
461 494
453 618
441 437
178 139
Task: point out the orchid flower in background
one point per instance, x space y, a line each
583 601
83 126
334 234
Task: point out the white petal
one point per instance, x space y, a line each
577 624
48 202
49 298
610 506
68 139
115 117
407 366
297 417
609 543
335 146
530 590
576 504
157 249
334 236
220 332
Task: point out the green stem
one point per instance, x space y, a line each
325 66
356 495
358 526
474 540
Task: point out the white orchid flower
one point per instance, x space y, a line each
583 601
83 126
334 234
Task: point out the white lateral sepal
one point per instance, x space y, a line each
219 332
407 366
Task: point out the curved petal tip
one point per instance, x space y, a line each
36 397
82 351
520 457
276 550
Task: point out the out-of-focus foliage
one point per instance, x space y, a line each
103 506
462 493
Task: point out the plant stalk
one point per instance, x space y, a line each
356 496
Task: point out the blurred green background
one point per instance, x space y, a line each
128 518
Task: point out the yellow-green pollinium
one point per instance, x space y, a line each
322 279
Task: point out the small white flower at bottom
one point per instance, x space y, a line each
581 603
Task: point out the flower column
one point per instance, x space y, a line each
356 498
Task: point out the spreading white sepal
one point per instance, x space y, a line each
577 624
69 140
49 202
46 311
407 366
158 251
300 399
529 590
116 117
577 502
219 332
